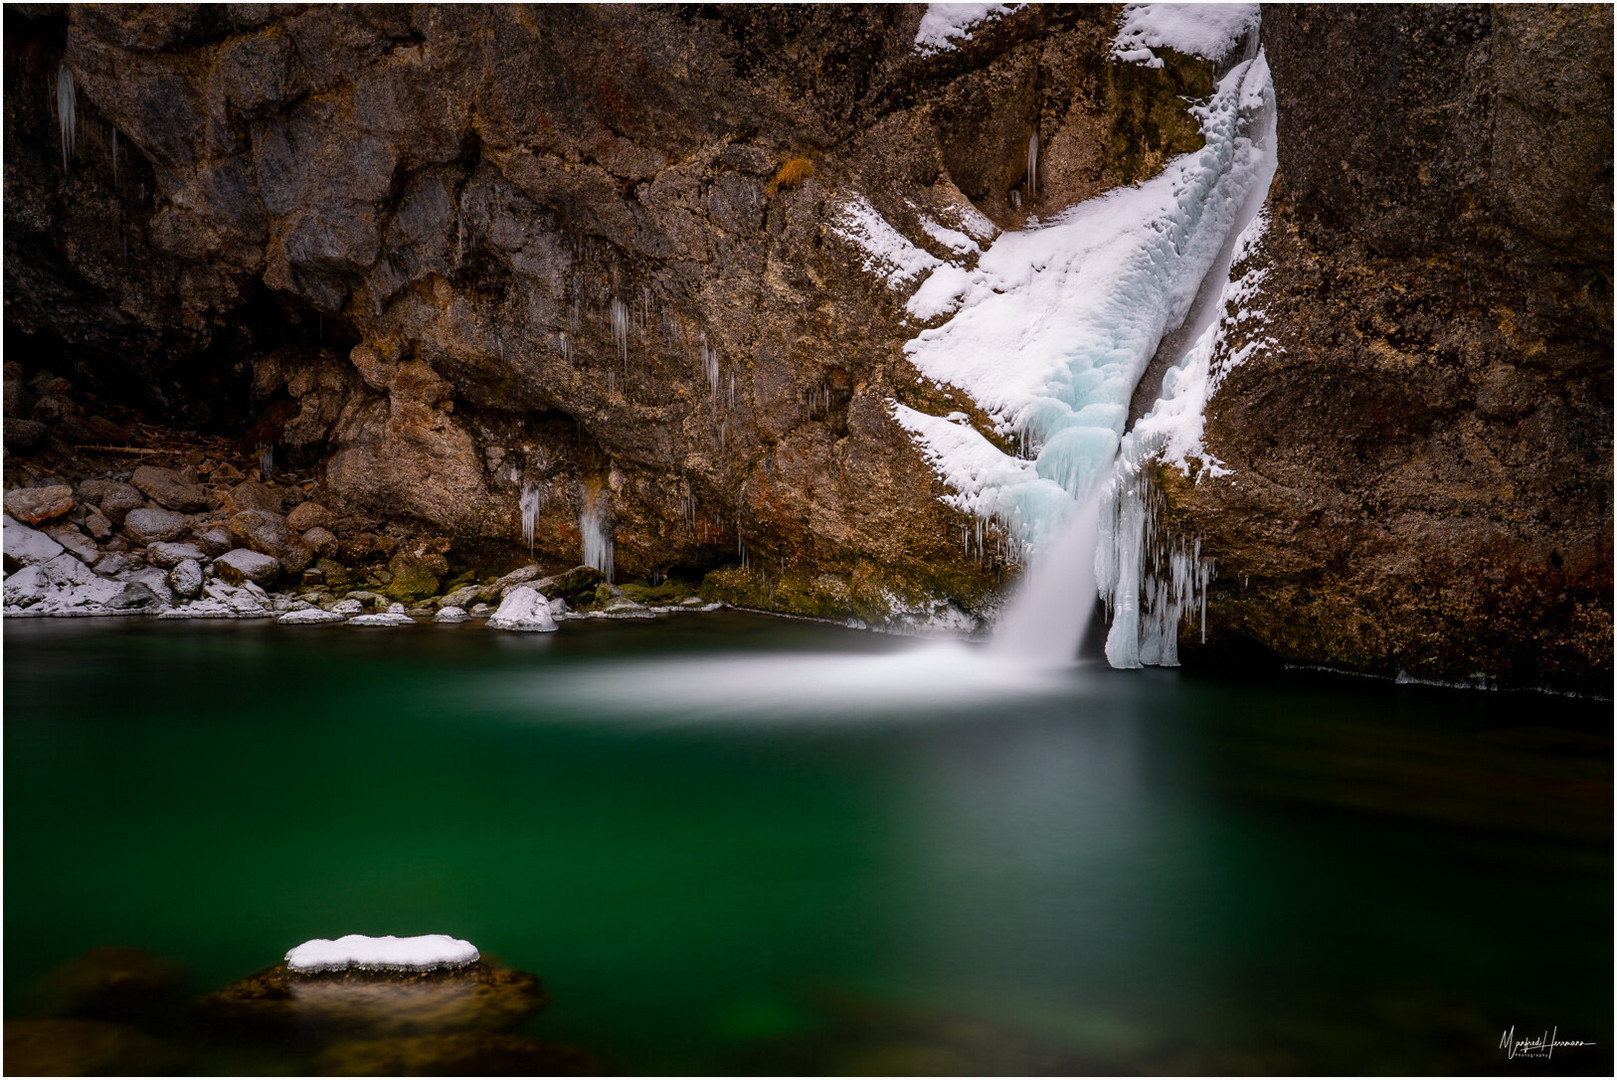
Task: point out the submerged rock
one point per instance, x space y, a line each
524 608
62 1047
110 982
471 1053
479 996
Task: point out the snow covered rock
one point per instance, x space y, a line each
382 618
422 953
450 614
524 608
27 547
241 565
311 616
186 577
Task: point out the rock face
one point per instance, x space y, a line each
1422 458
574 256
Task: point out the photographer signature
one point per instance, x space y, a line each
1542 1045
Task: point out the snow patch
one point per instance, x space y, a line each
423 953
886 252
945 25
1210 31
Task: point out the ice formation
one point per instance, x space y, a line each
944 26
1207 30
423 953
1055 324
1052 327
596 530
67 108
533 500
620 328
1033 163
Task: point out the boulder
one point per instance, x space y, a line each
34 505
26 547
147 526
241 565
269 534
524 608
415 577
169 554
151 578
251 495
321 539
186 577
477 997
114 499
450 614
169 488
382 618
97 524
309 515
213 539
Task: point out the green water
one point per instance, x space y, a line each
714 870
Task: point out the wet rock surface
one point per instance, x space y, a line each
479 997
68 1047
480 1053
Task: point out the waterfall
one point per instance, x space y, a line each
596 529
1046 621
67 106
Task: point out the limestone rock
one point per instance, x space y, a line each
97 524
310 616
31 506
147 526
214 540
320 539
450 614
241 564
168 488
251 495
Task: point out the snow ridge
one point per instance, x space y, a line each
944 26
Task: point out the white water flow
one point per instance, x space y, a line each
66 112
1046 622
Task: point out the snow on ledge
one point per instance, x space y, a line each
1206 30
944 26
423 953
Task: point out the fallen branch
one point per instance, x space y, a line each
120 449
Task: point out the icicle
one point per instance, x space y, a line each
67 111
1033 163
115 158
266 461
533 500
596 529
620 328
566 349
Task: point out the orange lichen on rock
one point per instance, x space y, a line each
791 174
